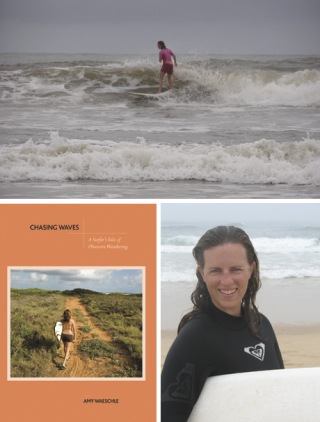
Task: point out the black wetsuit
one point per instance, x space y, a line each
212 343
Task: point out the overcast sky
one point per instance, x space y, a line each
187 26
302 214
98 280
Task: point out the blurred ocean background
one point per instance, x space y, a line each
285 236
284 251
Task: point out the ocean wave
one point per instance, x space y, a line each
180 240
266 245
178 249
288 273
288 245
280 273
261 162
206 82
248 87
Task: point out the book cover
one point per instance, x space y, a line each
90 270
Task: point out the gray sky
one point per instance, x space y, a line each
305 214
98 280
187 26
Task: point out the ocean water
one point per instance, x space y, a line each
234 127
285 251
289 269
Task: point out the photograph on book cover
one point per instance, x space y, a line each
78 310
76 323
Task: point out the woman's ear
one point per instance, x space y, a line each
201 272
253 267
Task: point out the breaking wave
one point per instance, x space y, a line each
261 162
211 82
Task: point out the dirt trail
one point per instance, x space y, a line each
73 304
76 365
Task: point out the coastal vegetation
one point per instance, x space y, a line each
109 332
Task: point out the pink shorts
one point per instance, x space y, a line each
167 68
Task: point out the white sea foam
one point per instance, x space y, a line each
248 121
180 241
301 88
289 90
178 249
287 245
264 162
182 244
197 82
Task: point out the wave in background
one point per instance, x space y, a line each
280 258
286 245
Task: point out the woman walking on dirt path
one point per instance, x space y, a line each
68 334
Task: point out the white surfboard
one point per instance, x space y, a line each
58 330
151 96
288 395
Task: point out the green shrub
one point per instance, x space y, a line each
85 328
96 348
120 316
32 343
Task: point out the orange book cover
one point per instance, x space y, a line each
91 268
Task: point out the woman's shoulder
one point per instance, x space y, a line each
266 327
264 320
197 323
193 334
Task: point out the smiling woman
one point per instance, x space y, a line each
226 273
224 333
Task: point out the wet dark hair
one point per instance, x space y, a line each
161 44
201 298
66 315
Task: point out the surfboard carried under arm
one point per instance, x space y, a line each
58 330
278 396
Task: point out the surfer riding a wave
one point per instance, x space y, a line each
165 56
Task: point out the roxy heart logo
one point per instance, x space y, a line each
256 351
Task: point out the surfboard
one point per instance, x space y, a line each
58 330
146 95
278 396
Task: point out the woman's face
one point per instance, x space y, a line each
226 273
